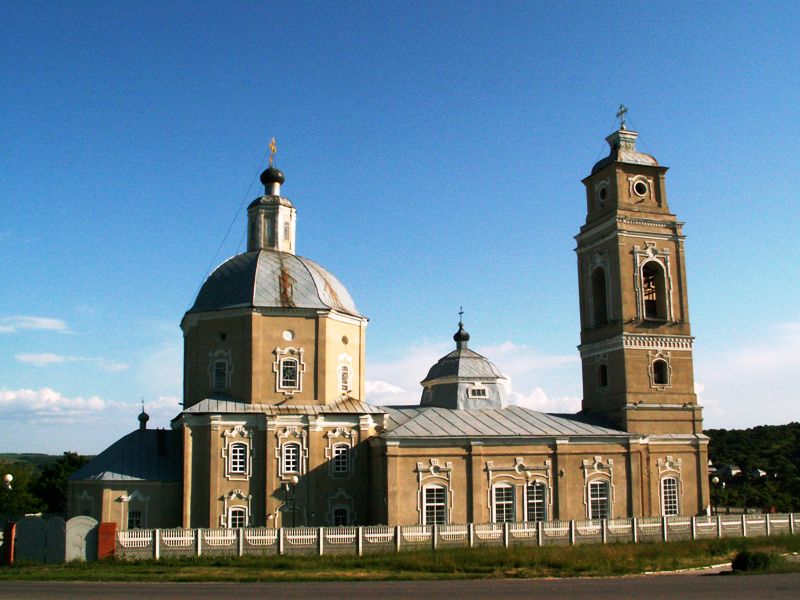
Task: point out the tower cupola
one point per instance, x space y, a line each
271 217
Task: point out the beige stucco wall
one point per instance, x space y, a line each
111 501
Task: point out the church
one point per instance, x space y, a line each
276 429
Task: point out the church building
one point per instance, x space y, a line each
276 429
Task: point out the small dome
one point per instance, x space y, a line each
623 149
272 175
461 335
271 279
143 419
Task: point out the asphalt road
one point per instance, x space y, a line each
688 587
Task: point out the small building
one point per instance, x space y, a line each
276 429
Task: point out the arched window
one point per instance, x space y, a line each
220 375
341 459
344 378
660 372
289 373
237 517
434 505
599 501
237 459
503 496
536 501
602 376
599 298
290 456
654 291
669 497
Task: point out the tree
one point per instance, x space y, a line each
19 500
51 487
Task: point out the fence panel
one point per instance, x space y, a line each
300 540
756 524
589 531
340 540
488 534
648 529
177 542
260 541
378 538
555 533
415 537
679 528
219 542
619 531
134 544
705 527
452 536
523 533
731 525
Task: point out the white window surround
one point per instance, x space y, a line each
291 435
282 356
434 504
598 496
597 469
344 373
519 474
504 503
136 502
434 473
641 257
232 500
665 358
233 436
634 194
338 437
338 500
237 517
536 495
670 497
219 382
670 468
477 391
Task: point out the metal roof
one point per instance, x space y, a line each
272 279
463 362
345 406
513 421
144 454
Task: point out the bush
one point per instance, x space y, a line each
754 560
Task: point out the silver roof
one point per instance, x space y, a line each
220 406
271 279
142 455
513 421
463 362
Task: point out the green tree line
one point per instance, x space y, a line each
38 488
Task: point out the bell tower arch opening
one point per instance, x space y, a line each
654 291
599 297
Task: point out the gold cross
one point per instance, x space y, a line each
621 115
273 148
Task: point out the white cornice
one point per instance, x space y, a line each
638 341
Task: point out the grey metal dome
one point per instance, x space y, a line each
623 149
270 279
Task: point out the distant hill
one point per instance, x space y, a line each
769 458
37 460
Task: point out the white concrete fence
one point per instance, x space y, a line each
262 541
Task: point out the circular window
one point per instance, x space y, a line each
602 193
288 335
640 188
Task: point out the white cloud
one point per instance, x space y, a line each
47 405
15 324
529 372
752 384
45 359
160 371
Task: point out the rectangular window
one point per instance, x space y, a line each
435 500
537 496
504 509
220 375
345 378
598 500
238 459
669 496
134 519
341 516
291 458
289 373
477 393
341 459
238 518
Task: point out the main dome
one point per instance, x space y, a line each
272 279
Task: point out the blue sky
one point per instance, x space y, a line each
434 152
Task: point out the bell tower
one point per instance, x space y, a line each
636 343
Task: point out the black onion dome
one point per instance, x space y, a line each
272 175
461 335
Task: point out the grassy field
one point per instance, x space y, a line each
521 562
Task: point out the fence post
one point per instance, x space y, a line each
634 532
280 540
767 525
397 538
321 540
156 544
744 525
434 536
664 529
240 540
540 532
9 539
604 530
360 541
791 523
471 534
694 527
719 526
572 532
198 542
505 534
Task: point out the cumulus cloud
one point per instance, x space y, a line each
45 359
46 405
529 372
19 323
753 383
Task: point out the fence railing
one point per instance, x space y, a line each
157 543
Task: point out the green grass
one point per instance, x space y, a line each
478 563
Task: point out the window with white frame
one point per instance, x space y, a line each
434 501
477 392
289 374
669 497
504 503
290 460
341 459
341 516
599 501
134 519
237 517
237 459
536 501
344 378
660 372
